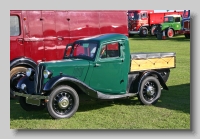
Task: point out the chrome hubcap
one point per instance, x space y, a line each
63 102
150 91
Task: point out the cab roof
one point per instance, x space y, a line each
174 15
105 37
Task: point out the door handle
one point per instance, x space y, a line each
97 65
20 41
60 38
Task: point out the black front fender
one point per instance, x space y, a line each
64 79
151 73
29 85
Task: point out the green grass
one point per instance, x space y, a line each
171 112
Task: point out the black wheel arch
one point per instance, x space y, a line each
70 81
22 61
156 75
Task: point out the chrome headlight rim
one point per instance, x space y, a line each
47 74
29 72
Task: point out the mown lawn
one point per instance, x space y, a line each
171 112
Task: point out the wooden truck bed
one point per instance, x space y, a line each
148 61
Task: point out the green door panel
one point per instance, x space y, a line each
107 76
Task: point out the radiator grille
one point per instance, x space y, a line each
39 79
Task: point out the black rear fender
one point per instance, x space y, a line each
22 61
155 74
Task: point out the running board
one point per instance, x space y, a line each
105 96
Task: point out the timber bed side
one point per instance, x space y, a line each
149 61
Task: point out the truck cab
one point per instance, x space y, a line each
102 67
171 25
138 22
185 23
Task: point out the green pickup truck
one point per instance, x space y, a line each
102 67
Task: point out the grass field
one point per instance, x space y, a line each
171 112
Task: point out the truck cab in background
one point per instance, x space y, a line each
144 22
171 26
185 23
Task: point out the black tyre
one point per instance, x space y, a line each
152 30
187 36
29 107
143 32
170 33
63 102
150 91
15 74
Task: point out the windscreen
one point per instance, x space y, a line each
84 50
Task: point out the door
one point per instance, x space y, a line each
108 75
16 35
177 23
34 47
62 32
49 34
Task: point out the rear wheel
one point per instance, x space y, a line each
187 36
63 102
170 33
152 30
15 74
143 32
150 91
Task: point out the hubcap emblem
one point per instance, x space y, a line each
63 102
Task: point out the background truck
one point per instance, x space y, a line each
42 35
171 26
142 22
101 67
185 23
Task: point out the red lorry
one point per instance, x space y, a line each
142 22
42 35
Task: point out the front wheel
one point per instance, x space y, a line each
63 102
143 32
150 91
170 33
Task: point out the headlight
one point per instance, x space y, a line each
47 74
29 72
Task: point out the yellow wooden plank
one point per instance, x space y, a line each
153 63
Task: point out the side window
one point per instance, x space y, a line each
144 15
14 26
177 19
110 50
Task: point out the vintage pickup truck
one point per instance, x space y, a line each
101 67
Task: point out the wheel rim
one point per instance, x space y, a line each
15 78
152 31
150 91
170 33
144 31
63 103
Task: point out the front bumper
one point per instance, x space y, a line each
32 99
133 32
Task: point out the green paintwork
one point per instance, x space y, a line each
176 25
107 75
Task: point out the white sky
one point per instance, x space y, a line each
165 10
